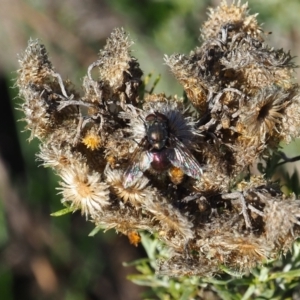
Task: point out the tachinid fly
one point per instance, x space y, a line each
160 149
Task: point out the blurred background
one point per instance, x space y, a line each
44 257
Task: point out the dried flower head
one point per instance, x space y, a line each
264 113
83 189
181 127
92 140
134 238
135 194
235 14
177 169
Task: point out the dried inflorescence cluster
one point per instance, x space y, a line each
136 161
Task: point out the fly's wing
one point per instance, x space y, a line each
182 158
139 163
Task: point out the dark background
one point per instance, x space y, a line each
44 257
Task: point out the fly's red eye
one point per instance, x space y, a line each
156 117
150 118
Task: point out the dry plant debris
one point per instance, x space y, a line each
136 161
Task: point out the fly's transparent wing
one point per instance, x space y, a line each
139 163
182 158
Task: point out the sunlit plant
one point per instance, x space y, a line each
136 161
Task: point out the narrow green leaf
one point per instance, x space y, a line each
287 275
249 292
62 212
95 231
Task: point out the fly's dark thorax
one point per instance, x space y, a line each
157 130
157 136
